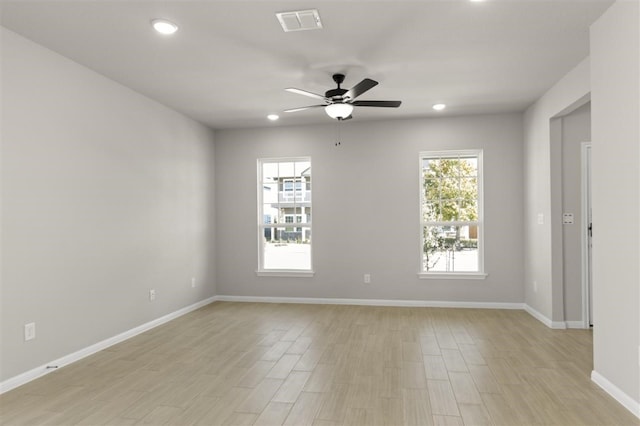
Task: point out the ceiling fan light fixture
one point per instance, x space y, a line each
339 110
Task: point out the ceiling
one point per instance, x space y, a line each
230 61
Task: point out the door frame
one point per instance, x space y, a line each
585 201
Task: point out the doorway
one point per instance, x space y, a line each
587 237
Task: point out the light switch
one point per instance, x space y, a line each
540 218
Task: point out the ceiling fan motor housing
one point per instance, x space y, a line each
336 94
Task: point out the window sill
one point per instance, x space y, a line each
452 275
285 273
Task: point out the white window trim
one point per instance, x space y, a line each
452 275
480 274
283 273
261 272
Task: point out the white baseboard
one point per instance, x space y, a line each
628 402
42 370
556 325
371 302
575 324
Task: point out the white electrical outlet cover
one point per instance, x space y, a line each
29 331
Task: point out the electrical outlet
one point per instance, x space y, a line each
567 218
29 331
193 282
367 278
152 294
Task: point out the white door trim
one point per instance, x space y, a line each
584 201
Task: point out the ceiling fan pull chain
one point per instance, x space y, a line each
338 133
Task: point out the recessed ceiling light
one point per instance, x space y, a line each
439 107
273 117
164 27
476 1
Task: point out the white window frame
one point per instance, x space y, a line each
261 271
480 274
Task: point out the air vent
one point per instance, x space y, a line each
299 20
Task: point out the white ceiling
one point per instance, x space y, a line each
228 64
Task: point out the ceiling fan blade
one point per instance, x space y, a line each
303 108
305 93
384 104
360 88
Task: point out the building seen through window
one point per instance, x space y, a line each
285 200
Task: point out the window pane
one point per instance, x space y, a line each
286 169
269 172
450 248
449 210
287 248
269 193
299 192
432 189
302 214
270 213
430 165
468 210
303 168
469 187
449 187
431 212
467 167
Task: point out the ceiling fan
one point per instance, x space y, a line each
339 102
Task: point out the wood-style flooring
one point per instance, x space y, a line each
273 364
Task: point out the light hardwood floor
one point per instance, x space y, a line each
273 364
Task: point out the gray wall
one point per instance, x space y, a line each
105 194
576 128
615 104
365 208
543 196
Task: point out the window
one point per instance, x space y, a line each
451 214
289 218
284 200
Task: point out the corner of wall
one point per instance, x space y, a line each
540 206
